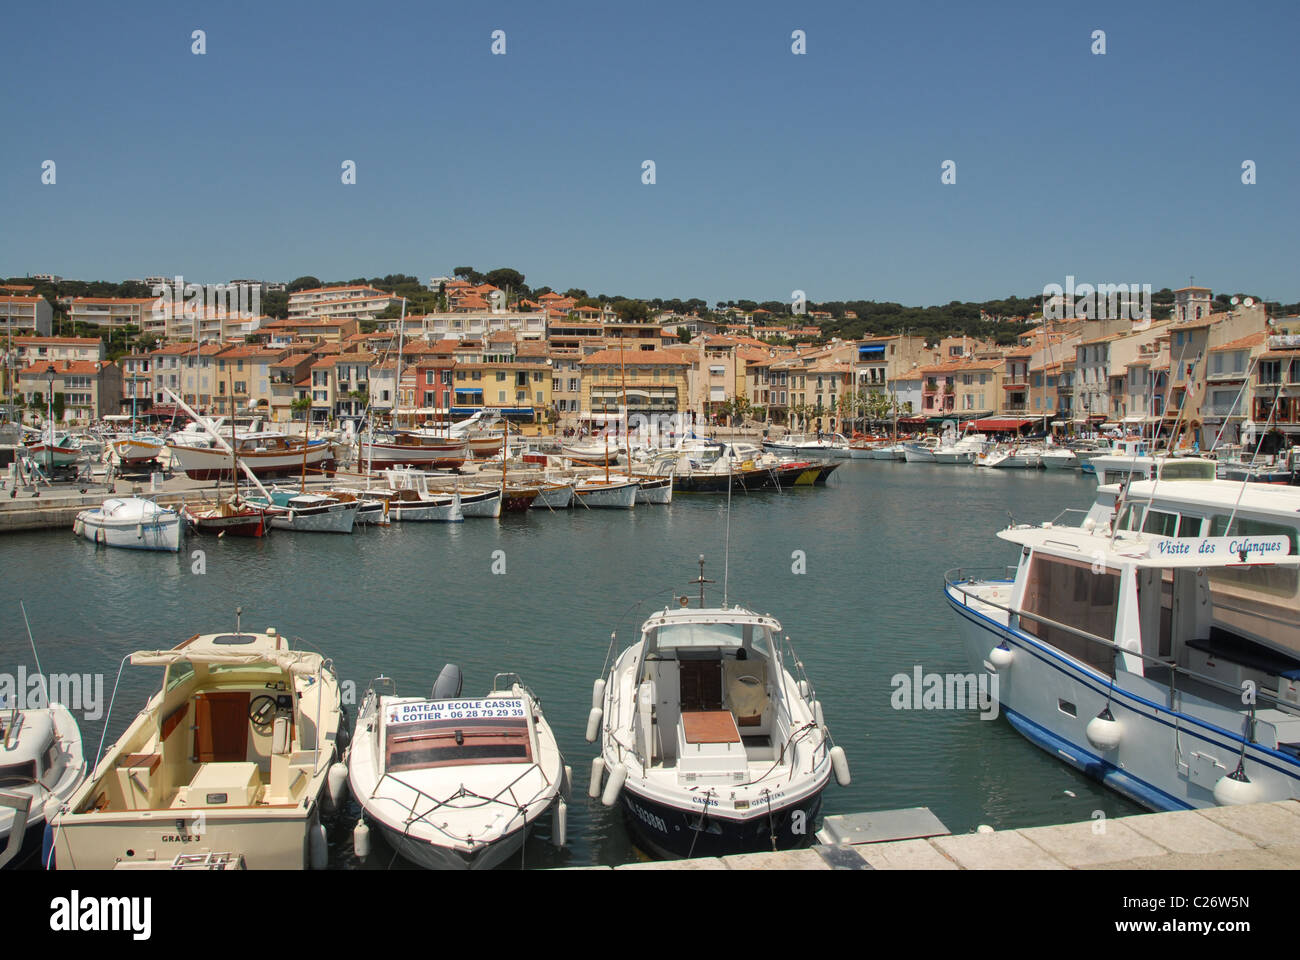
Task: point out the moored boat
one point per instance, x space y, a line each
232 754
41 764
456 783
711 737
131 523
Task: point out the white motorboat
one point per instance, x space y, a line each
889 451
456 783
1059 458
1012 458
921 451
963 451
597 452
711 736
132 523
41 764
612 493
1125 652
232 755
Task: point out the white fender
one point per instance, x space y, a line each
805 689
560 822
593 724
597 775
617 777
566 784
1001 656
840 764
318 847
1104 731
337 779
361 839
598 694
1230 791
819 716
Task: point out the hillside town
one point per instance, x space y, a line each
555 364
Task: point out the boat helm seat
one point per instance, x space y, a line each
746 686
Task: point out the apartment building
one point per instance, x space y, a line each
36 349
654 382
91 389
334 303
25 314
112 312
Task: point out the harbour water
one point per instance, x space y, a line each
402 601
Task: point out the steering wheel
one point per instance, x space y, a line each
262 711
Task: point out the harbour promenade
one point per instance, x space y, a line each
1263 836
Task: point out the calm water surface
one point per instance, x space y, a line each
405 600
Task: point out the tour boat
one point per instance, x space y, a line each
266 453
1122 646
232 755
711 735
132 523
41 764
456 783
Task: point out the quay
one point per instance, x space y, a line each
1262 836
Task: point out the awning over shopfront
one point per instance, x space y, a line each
1000 423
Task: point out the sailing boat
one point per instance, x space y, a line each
234 516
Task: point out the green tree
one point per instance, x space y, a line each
303 283
631 311
59 402
300 406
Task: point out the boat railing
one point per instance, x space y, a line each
958 577
506 682
1069 511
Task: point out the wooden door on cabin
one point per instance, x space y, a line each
701 685
221 727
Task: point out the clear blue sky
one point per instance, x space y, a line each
774 172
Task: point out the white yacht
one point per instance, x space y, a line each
1123 645
711 735
456 783
231 756
961 451
41 764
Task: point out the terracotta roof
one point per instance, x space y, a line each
63 341
110 300
62 367
1252 340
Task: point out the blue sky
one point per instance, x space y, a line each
774 172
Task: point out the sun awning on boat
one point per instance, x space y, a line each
1000 423
295 661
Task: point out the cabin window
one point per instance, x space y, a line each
1160 523
1190 526
1069 592
177 674
1131 517
1246 527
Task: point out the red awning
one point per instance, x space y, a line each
998 423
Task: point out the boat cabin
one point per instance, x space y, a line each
706 697
234 726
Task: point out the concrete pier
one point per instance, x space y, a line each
1264 836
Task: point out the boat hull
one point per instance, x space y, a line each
558 497
656 491
251 523
201 464
162 534
377 456
616 496
431 856
674 832
330 518
1143 767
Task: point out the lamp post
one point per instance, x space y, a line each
49 415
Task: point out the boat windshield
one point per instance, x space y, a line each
677 636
